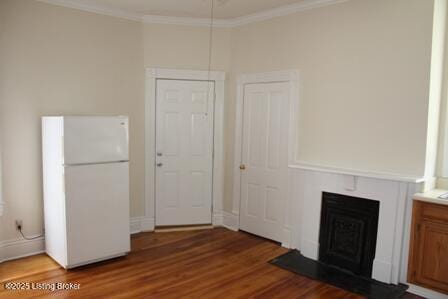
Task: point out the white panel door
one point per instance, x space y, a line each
265 157
97 211
184 152
95 139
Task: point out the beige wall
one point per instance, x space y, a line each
186 47
364 65
56 60
364 69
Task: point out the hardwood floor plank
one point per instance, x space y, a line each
216 263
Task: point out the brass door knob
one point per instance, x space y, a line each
242 166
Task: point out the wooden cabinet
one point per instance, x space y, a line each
428 259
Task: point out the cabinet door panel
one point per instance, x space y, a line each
428 255
433 255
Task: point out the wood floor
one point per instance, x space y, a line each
216 263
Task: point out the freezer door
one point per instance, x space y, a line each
97 211
95 139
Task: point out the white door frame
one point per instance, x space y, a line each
218 77
292 77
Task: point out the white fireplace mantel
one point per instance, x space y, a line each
394 195
359 173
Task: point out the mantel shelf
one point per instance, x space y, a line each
358 173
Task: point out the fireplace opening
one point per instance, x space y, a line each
348 231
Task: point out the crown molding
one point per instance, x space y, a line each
184 21
282 11
201 22
244 20
359 173
96 9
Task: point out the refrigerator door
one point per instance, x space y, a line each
95 139
97 211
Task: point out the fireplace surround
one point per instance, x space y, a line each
395 203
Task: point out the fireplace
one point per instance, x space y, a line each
348 232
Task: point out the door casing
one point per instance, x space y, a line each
152 75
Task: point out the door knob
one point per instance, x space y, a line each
159 154
242 166
159 164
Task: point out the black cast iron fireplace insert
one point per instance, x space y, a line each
348 231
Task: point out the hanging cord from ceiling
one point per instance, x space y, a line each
210 40
210 46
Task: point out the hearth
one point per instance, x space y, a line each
348 232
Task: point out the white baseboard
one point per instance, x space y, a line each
287 238
426 292
14 249
310 249
217 220
382 271
231 221
141 224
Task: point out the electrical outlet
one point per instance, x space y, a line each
19 224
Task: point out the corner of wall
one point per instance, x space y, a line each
435 117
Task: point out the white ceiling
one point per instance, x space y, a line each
223 9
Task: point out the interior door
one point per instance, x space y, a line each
264 159
184 152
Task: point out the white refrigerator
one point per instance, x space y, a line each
86 188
